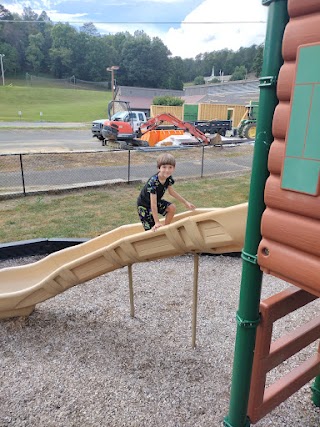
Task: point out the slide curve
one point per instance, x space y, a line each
216 231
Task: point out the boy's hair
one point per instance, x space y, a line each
166 159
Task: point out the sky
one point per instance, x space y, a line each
187 27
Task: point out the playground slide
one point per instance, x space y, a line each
213 231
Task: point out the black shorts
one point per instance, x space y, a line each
146 216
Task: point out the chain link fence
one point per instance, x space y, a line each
22 174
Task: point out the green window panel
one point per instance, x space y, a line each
309 64
301 175
312 146
301 168
299 121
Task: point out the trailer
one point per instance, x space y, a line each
213 126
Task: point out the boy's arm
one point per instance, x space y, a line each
181 199
154 210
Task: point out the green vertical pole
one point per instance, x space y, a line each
251 281
316 391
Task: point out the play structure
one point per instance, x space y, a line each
283 228
202 230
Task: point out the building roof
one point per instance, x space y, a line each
140 98
231 98
228 93
235 92
137 102
147 92
194 99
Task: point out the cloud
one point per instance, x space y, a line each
57 16
201 31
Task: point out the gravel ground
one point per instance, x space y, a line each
81 360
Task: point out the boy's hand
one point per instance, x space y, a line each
190 206
156 226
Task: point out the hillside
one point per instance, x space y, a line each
55 104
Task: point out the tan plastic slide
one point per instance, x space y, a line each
215 231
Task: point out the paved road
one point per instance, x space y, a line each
21 137
77 177
46 140
40 125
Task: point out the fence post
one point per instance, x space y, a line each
22 175
202 162
129 164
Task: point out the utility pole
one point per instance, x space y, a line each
2 70
112 69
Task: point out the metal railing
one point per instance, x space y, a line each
21 174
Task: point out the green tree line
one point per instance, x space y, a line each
32 43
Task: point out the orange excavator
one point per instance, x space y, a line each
158 120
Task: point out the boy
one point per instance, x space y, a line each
150 202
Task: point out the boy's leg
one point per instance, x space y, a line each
168 210
171 210
146 217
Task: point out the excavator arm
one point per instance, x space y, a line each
156 121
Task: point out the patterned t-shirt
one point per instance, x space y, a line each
153 186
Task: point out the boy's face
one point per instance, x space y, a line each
166 170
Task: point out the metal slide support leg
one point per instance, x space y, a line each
195 298
131 291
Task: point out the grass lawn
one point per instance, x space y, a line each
88 213
55 104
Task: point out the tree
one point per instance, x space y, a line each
60 62
31 26
258 61
44 17
89 29
175 74
63 40
245 56
135 69
78 53
239 73
214 80
159 63
4 15
189 70
92 56
199 80
29 15
45 27
144 61
222 61
167 100
11 60
34 53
